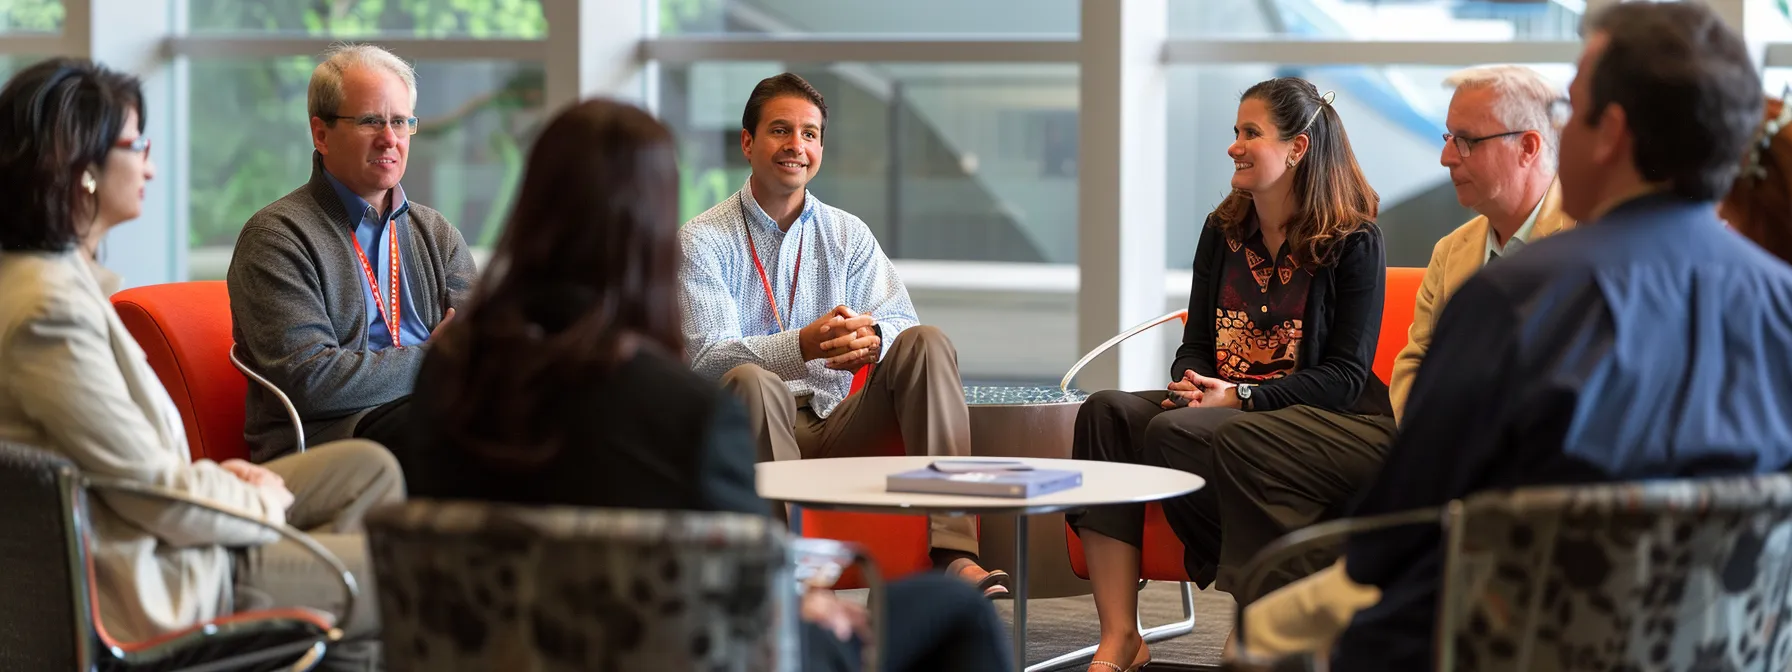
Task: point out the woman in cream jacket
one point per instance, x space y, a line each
73 164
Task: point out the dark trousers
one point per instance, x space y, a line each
1268 473
934 622
387 424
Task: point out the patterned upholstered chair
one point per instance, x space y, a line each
1659 575
49 619
476 586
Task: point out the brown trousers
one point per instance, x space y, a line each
914 391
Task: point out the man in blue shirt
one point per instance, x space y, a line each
336 288
785 297
1650 342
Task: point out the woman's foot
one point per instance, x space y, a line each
1113 650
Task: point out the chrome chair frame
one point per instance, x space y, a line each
1451 518
1152 634
1064 385
1293 545
298 425
75 487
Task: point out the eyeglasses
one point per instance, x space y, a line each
1466 146
139 144
370 124
1559 110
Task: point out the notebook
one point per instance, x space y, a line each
985 478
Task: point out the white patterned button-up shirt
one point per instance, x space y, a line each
727 321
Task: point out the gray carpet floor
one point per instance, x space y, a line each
1061 625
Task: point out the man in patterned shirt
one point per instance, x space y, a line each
786 297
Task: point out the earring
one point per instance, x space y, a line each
1291 163
88 183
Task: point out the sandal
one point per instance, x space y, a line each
1137 663
1117 667
995 586
994 583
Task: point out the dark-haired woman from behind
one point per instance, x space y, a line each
1271 398
565 383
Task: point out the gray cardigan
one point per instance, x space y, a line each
299 312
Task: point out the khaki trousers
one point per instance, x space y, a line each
914 392
333 487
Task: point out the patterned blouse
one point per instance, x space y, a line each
1257 323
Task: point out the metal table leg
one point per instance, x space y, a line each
1020 593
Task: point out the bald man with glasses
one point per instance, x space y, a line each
337 288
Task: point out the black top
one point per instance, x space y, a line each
1652 343
650 434
1262 305
1340 329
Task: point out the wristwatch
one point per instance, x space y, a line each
1244 391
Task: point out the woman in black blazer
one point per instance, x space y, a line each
1271 399
564 382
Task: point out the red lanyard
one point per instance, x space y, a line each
765 281
389 311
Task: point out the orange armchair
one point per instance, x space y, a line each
184 328
1396 317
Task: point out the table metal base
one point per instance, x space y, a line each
1020 593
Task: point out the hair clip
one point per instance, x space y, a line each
1325 100
1764 137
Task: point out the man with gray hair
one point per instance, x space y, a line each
1504 128
336 288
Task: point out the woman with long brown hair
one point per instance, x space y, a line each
1271 398
1759 205
565 382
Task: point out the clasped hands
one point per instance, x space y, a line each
1198 391
263 478
846 339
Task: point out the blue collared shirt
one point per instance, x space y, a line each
370 231
1650 343
727 321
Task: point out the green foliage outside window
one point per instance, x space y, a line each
30 16
250 142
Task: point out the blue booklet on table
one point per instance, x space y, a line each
988 478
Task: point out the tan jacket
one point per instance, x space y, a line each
1453 260
72 380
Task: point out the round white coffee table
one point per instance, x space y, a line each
857 484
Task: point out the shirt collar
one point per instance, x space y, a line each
357 207
757 215
1521 236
